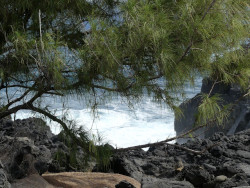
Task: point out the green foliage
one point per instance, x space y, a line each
209 108
103 152
100 152
73 159
178 40
191 136
175 39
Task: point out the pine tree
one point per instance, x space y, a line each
127 48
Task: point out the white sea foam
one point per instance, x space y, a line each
121 126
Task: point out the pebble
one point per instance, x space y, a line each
220 178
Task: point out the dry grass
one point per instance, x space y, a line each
87 180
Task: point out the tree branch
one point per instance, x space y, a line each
192 41
209 7
191 150
17 99
186 51
163 141
65 128
24 106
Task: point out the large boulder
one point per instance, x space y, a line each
24 147
28 147
20 157
238 120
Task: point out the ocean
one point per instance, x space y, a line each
118 124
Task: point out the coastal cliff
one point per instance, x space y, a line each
238 120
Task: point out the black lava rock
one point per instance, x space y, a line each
172 166
124 184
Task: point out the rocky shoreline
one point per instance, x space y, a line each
28 147
223 163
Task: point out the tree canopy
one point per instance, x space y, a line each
101 49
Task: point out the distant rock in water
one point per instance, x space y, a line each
238 120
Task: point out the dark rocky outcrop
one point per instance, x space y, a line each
225 163
21 155
28 147
238 120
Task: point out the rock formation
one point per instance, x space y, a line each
223 162
28 149
238 120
